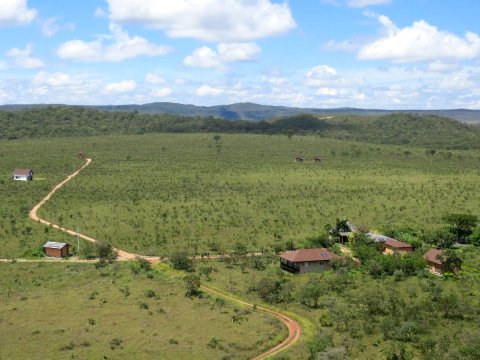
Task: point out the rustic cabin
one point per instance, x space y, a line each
307 260
56 249
393 246
22 175
299 159
436 262
344 235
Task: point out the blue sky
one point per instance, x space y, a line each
393 54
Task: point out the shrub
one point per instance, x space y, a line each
181 261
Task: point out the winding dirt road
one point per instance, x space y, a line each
294 328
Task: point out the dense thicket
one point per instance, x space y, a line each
399 129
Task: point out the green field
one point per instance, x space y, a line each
360 317
75 311
155 194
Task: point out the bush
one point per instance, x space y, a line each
181 261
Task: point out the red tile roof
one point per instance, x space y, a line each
397 244
22 171
305 255
431 255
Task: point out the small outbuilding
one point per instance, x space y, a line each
56 249
307 260
436 261
394 246
22 175
343 236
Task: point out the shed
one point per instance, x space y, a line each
56 249
436 262
307 260
390 245
22 175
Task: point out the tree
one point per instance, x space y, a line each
451 260
192 284
105 251
474 238
430 153
181 261
311 292
461 225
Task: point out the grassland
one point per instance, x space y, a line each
360 317
156 194
59 311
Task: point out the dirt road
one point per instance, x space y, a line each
294 329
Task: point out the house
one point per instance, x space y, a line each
22 175
393 246
390 245
56 249
436 261
344 235
307 260
299 159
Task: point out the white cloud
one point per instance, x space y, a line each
163 92
206 90
22 58
274 80
345 45
206 57
120 87
51 26
57 79
210 20
327 91
16 12
365 3
320 75
154 79
123 47
419 42
443 67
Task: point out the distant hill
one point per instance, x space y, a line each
256 112
405 129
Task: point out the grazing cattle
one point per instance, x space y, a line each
299 159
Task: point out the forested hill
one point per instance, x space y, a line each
400 128
257 112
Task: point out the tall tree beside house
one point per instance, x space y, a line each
452 261
461 225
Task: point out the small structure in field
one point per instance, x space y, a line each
56 249
299 158
22 175
394 246
437 261
390 245
317 159
344 235
307 260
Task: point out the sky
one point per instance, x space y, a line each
389 54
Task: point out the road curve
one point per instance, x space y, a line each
122 255
294 328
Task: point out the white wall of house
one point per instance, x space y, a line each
20 177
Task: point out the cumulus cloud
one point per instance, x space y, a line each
207 90
206 57
320 75
51 26
419 42
123 47
209 20
23 58
154 79
16 12
163 92
57 79
120 87
365 3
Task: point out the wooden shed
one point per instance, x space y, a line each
56 249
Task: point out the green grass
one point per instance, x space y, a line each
363 335
154 194
59 311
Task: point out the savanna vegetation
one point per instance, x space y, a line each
399 129
206 193
349 313
121 311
